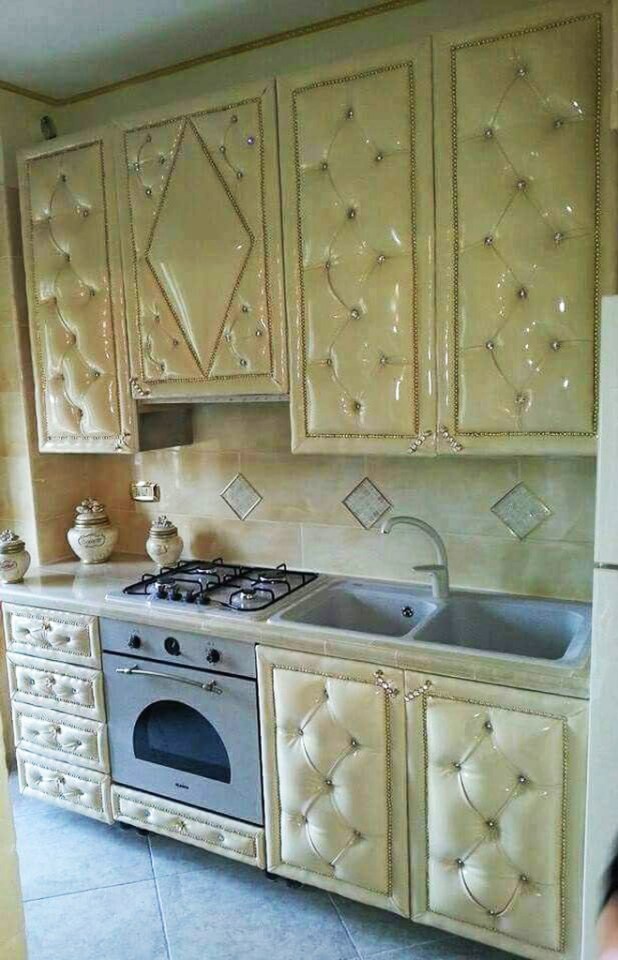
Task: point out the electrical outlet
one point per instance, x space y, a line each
145 491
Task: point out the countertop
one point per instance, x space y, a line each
74 587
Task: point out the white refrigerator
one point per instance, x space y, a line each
602 786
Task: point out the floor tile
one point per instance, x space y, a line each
170 856
447 948
229 911
116 923
62 852
375 931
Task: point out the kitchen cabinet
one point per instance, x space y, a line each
200 228
525 213
333 751
75 300
357 176
497 787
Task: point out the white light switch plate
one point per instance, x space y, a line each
145 491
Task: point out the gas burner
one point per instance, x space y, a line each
222 587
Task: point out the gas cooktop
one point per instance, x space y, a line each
216 586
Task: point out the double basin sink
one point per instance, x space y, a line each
499 625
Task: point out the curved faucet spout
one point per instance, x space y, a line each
439 571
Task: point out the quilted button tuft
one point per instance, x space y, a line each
490 345
524 878
522 71
379 157
488 133
522 779
351 213
521 184
488 240
381 258
328 783
355 313
354 743
245 308
459 862
491 824
555 345
522 293
558 237
349 113
250 140
488 726
558 122
148 191
324 165
456 764
357 406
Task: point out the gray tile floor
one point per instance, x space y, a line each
94 892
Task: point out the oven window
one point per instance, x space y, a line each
175 735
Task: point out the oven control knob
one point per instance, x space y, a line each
134 641
213 656
172 646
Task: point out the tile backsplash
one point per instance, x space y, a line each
306 517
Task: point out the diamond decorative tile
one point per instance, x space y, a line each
521 511
366 503
241 496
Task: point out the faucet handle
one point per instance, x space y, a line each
439 578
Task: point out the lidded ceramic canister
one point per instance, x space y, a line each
14 558
92 537
164 545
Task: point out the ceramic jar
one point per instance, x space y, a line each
164 545
14 558
92 537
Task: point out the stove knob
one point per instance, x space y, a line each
175 594
134 641
161 591
213 656
203 599
172 646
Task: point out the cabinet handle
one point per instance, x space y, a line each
387 685
418 692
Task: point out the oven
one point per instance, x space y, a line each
183 718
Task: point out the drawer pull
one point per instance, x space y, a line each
211 687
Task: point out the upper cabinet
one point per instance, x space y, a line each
200 232
525 230
357 174
75 296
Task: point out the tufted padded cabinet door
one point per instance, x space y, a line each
525 230
497 790
75 298
201 239
333 751
357 175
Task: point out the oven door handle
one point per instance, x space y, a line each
211 687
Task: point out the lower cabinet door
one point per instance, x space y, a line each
333 747
61 736
65 784
497 787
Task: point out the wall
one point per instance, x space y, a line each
302 521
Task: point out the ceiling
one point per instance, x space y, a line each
62 48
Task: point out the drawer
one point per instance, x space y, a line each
239 841
75 690
61 737
71 637
66 785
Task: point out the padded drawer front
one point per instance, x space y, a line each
239 841
61 737
71 637
75 690
65 784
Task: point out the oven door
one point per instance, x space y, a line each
187 734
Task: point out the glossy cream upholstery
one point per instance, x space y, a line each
75 296
333 743
58 735
497 839
358 227
61 686
71 637
217 834
526 229
65 785
200 218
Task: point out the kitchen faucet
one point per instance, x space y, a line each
438 571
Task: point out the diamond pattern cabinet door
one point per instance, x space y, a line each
333 750
75 296
497 794
358 230
201 238
525 230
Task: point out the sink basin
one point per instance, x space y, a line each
543 629
366 608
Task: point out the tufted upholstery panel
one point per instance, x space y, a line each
72 637
498 838
358 227
75 296
57 735
239 841
64 784
200 222
75 690
521 109
333 745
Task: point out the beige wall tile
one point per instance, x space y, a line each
15 489
13 427
52 538
60 482
567 487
